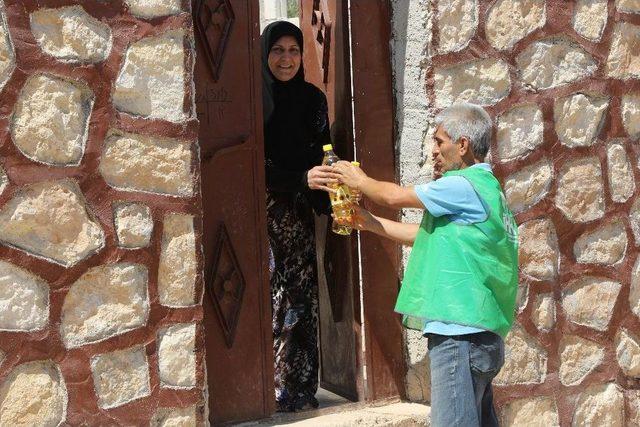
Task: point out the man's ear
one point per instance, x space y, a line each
464 146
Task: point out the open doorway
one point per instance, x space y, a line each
339 320
236 304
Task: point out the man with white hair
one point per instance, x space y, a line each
460 283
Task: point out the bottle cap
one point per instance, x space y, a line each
327 147
354 163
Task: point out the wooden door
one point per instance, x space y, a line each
326 58
326 25
237 308
374 135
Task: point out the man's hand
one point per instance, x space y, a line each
320 177
360 220
349 174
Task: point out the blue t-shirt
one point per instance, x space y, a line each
455 197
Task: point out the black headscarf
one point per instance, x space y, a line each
296 123
270 35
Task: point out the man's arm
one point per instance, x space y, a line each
389 194
380 192
400 232
397 231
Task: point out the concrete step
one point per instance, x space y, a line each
398 414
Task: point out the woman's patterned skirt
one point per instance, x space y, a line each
294 299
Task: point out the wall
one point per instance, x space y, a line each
100 287
560 78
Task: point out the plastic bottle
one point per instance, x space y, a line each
341 199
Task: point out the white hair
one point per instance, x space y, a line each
470 121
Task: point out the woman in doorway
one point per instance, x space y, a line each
296 125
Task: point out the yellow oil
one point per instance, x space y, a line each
341 206
340 200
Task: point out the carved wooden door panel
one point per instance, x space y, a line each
326 58
237 309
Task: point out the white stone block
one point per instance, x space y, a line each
151 81
600 405
508 21
51 219
628 353
533 412
520 131
133 162
71 34
120 377
589 301
522 296
7 53
4 180
621 181
50 121
34 394
605 245
134 225
628 6
175 417
525 188
632 417
634 220
580 190
624 55
177 356
525 360
578 358
590 18
579 119
543 314
634 292
24 299
148 9
631 114
178 264
106 301
538 249
457 21
553 62
482 82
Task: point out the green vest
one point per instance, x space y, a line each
465 274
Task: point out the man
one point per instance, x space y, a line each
462 275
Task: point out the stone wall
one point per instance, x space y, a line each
561 80
100 215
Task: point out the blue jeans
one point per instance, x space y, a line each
462 368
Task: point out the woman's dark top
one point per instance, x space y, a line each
296 125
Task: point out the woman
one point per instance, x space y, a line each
295 128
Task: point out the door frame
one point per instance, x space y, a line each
373 112
374 129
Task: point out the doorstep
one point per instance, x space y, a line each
398 414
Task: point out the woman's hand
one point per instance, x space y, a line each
361 219
320 177
349 174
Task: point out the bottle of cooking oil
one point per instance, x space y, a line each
341 199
